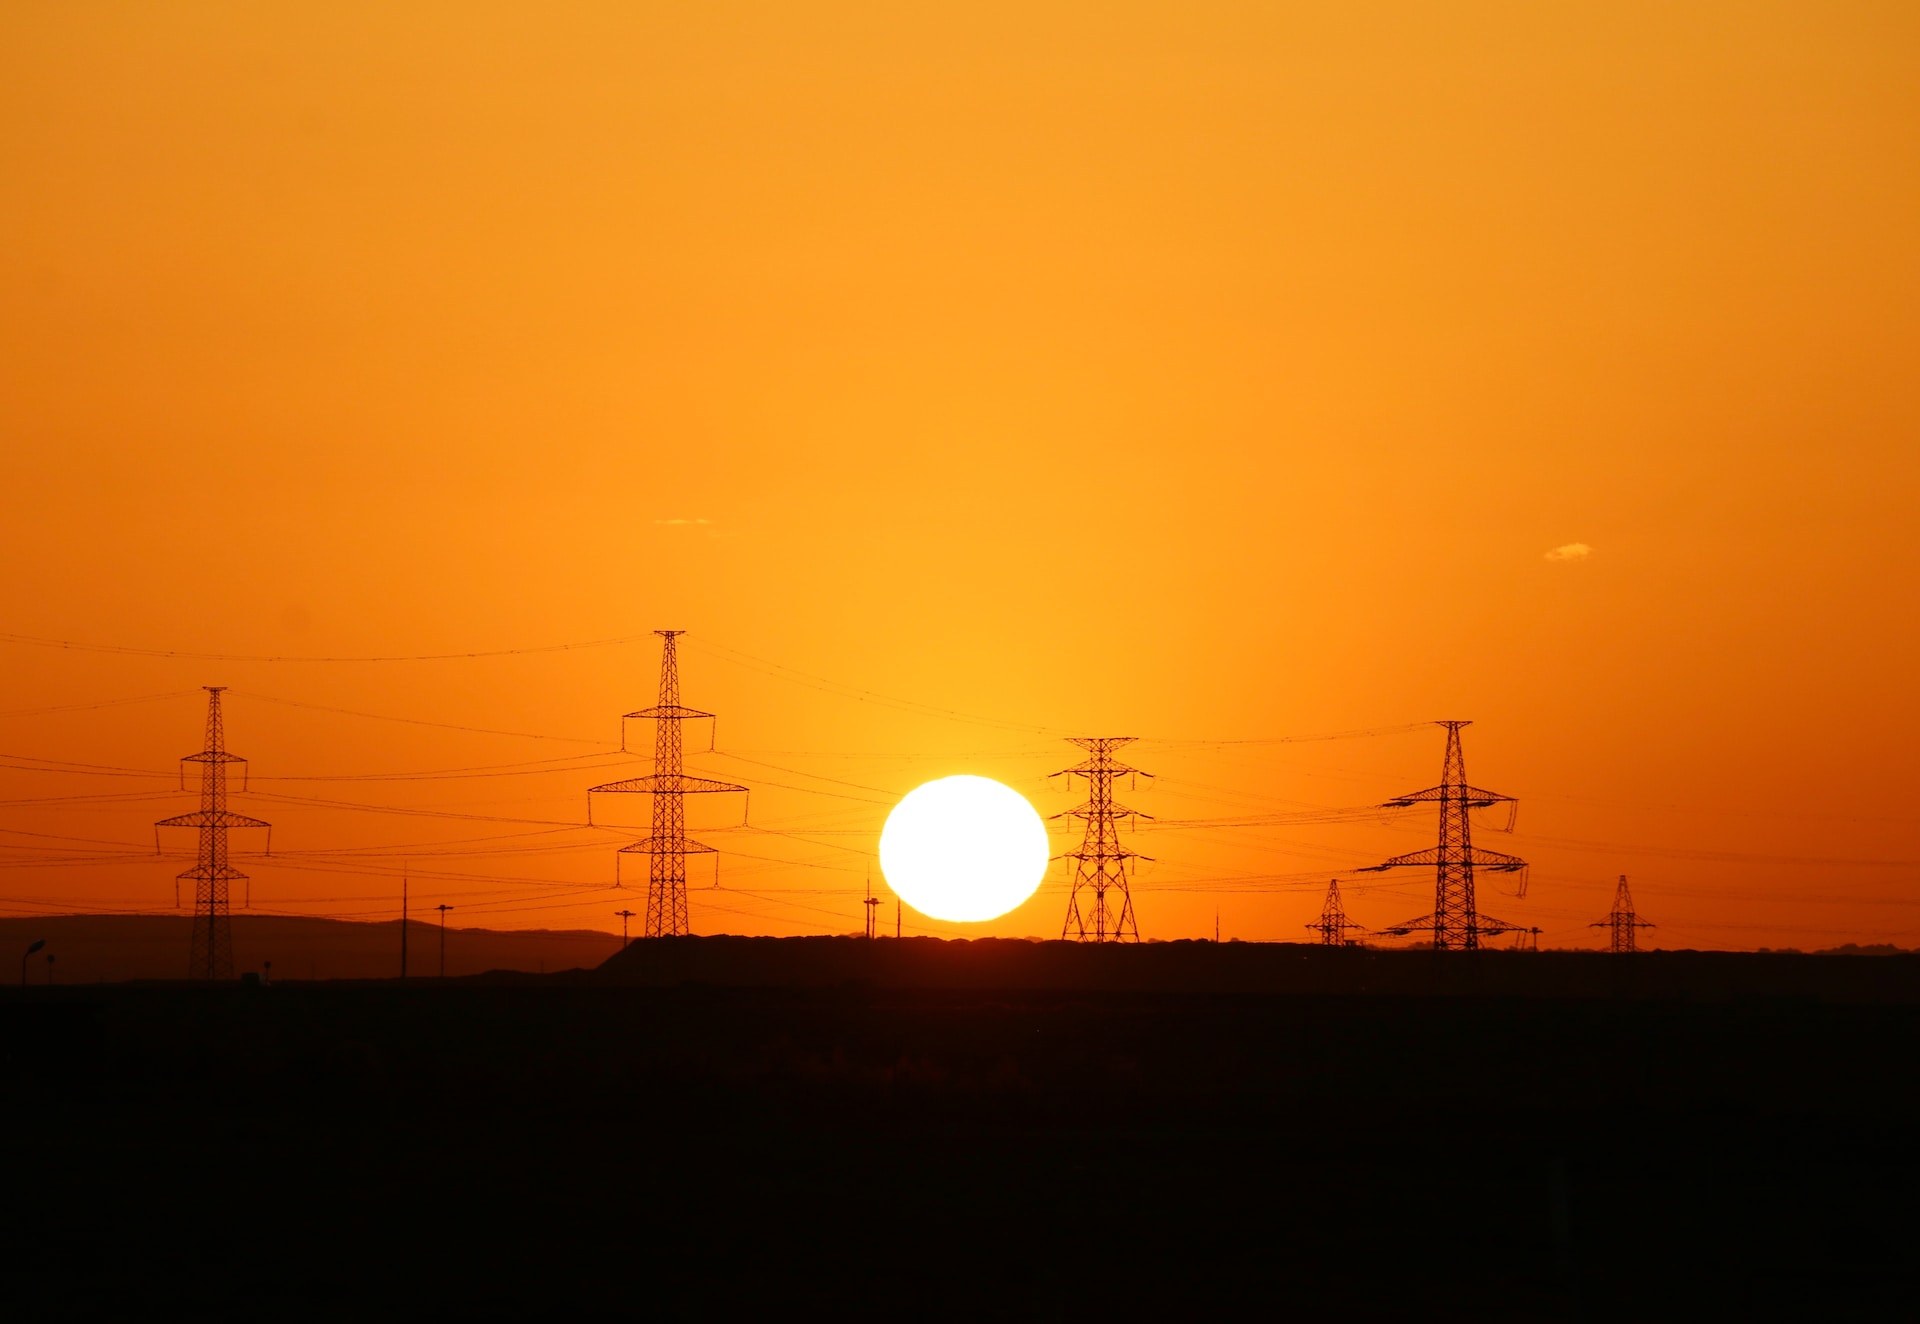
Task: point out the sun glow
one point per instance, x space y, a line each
963 848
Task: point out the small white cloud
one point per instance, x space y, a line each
683 521
1573 551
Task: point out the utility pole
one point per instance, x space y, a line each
443 908
1456 924
896 916
211 955
871 903
403 926
1333 924
1102 863
624 915
1622 920
668 845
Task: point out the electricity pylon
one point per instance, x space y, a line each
211 953
668 845
1333 924
1622 920
1101 864
1456 924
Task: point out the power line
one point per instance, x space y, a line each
88 707
35 641
420 721
780 671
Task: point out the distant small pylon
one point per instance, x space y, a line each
1333 924
1622 920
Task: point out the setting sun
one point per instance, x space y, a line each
963 848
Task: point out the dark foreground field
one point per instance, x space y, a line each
1647 1141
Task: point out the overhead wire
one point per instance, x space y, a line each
607 745
102 703
36 641
793 675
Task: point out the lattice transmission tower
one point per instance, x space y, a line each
1333 926
1622 920
667 845
210 955
1456 922
1102 864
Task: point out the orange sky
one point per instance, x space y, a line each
1211 373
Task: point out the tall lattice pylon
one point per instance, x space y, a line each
1102 864
1333 926
1622 920
668 845
1456 923
211 954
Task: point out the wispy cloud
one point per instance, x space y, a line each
683 521
1573 551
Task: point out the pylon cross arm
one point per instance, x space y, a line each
1431 855
213 818
225 873
1114 810
667 783
1472 796
1117 853
1492 861
667 846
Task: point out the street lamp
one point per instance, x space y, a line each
35 946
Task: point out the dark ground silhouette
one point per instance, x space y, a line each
1661 1137
113 948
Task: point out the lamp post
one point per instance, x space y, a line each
32 947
